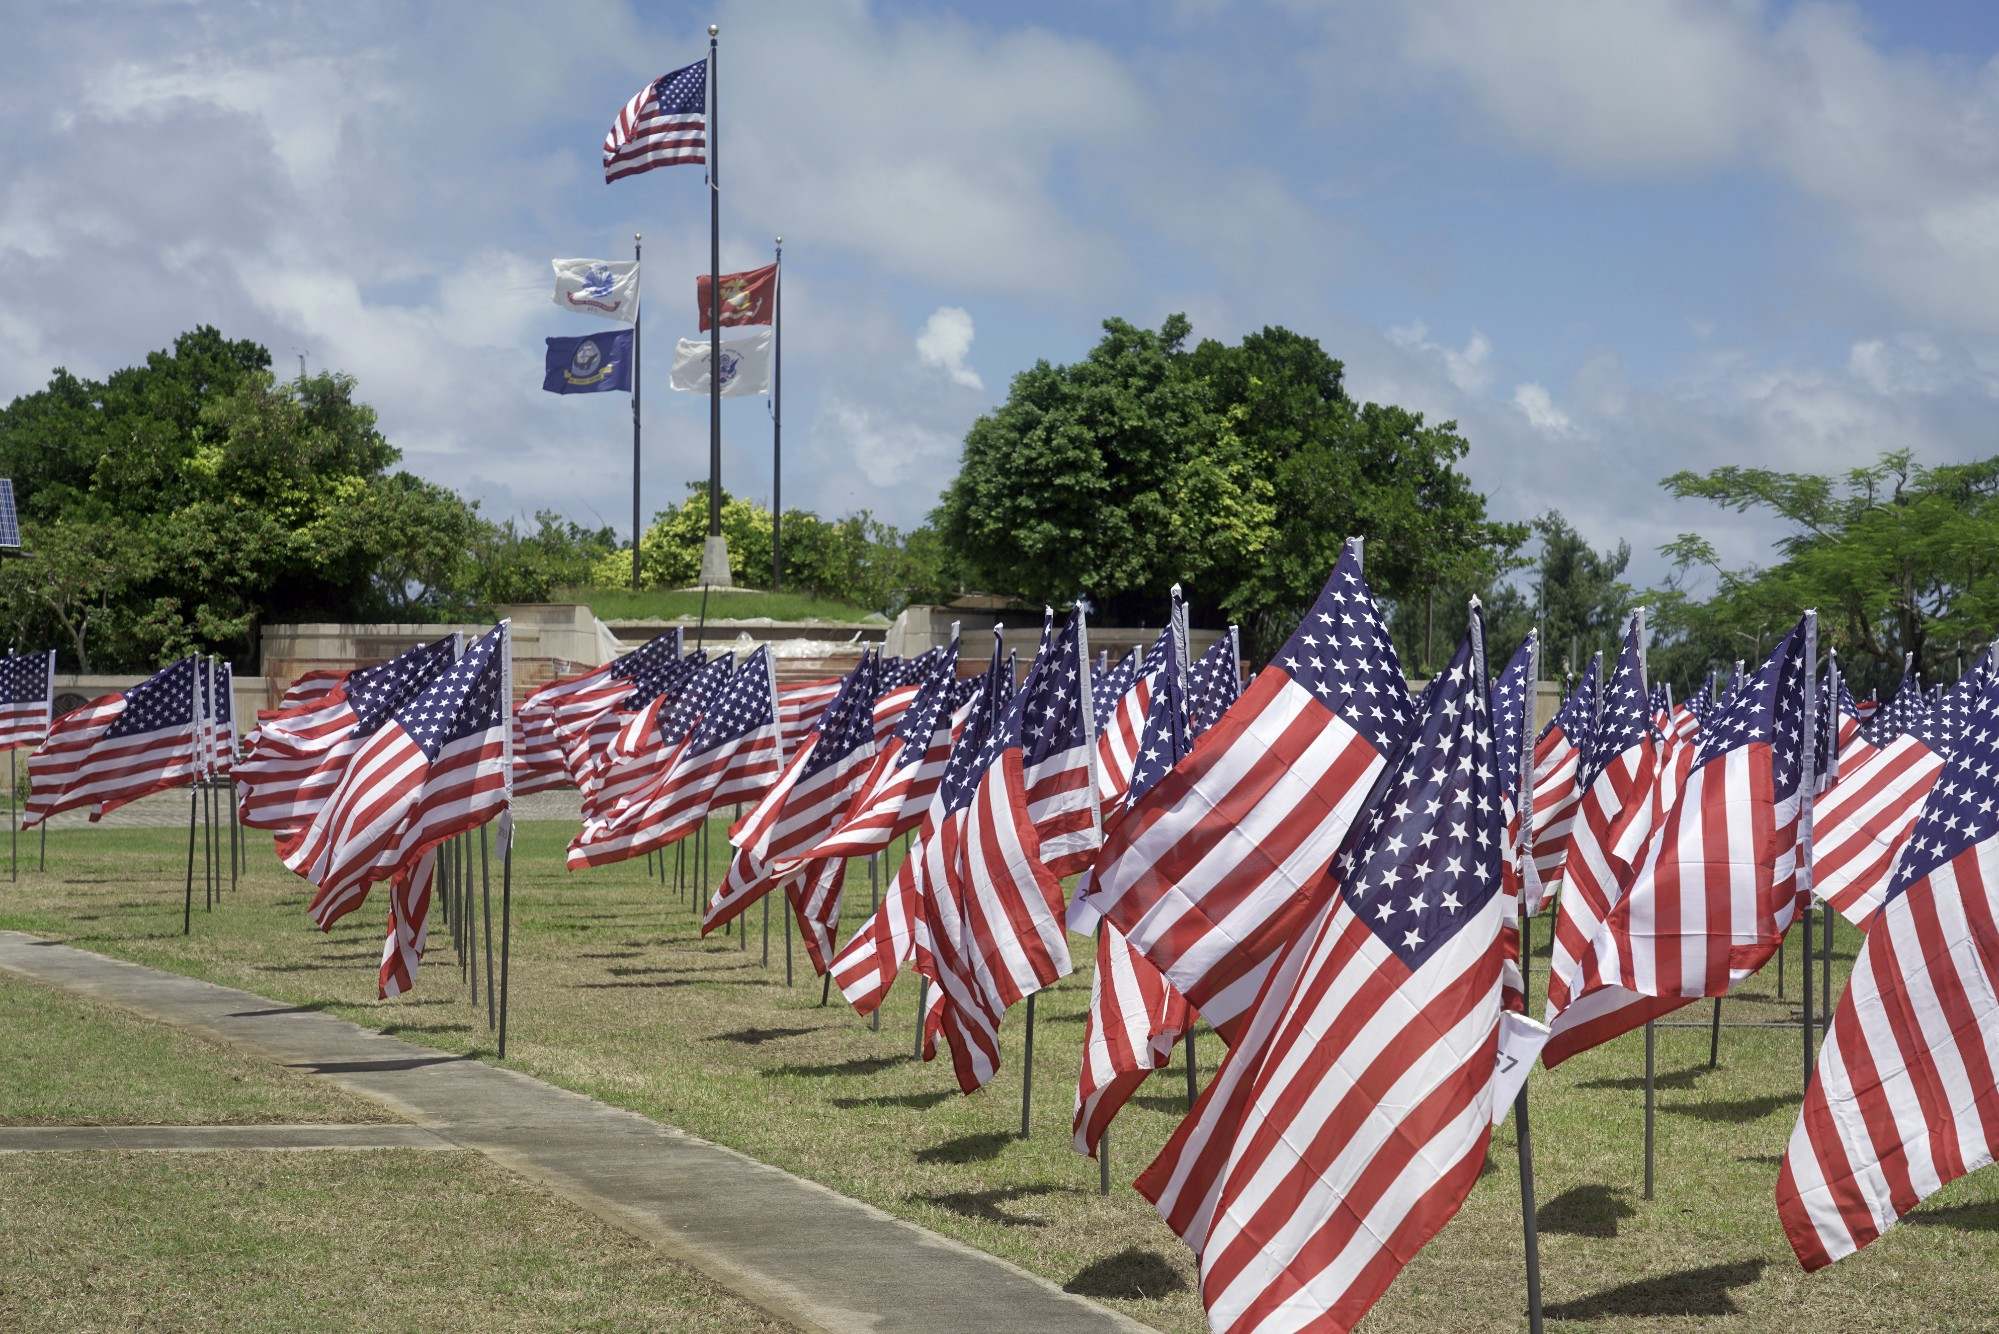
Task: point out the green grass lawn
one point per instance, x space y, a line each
615 996
68 1060
619 604
364 1239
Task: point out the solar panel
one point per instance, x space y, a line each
10 522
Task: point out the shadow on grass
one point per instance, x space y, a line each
1964 1217
310 1007
1131 1274
859 1065
1701 1291
1585 1211
919 1101
1739 1111
614 954
391 1030
984 1205
1676 1081
1173 1104
1767 1159
756 1037
968 1148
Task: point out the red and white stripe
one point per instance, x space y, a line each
81 765
1344 1128
1557 793
642 138
1905 1099
1133 1021
1117 745
889 709
866 966
1861 824
310 688
1208 874
989 932
60 758
799 706
1595 875
892 797
409 925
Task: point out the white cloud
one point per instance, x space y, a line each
1469 368
945 342
1539 408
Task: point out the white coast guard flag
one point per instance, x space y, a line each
745 364
606 288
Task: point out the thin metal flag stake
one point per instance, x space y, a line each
874 906
1807 780
506 836
1649 1081
506 930
922 1005
714 154
1027 1068
486 892
187 910
1714 1037
787 942
1529 1219
13 821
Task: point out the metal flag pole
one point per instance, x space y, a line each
638 310
187 911
506 831
714 302
1529 1219
874 906
1193 1085
1027 1068
13 820
766 959
787 942
506 930
922 1005
486 893
1807 780
1649 1081
777 418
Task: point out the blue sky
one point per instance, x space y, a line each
1608 240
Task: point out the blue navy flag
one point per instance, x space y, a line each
590 365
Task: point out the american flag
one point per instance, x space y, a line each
572 701
1350 1119
27 698
1716 888
1558 756
1619 769
807 801
1134 1016
1861 825
300 757
1903 711
866 966
437 766
1214 681
1512 723
1210 901
892 797
1854 747
1904 1100
733 754
310 688
219 709
799 706
1117 736
1057 737
619 752
119 747
664 124
1117 678
989 929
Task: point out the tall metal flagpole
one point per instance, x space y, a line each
638 311
714 320
777 420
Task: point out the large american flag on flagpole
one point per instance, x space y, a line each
119 747
27 698
1716 889
437 766
1350 1119
1207 875
665 123
1904 1100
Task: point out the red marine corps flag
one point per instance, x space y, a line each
747 298
1350 1118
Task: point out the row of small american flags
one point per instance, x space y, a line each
1325 867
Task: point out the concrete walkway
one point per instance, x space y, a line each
798 1250
210 1139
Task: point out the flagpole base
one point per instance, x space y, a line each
715 563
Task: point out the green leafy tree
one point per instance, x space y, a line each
1582 594
1895 556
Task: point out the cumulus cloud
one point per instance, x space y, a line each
1469 367
945 342
1539 408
